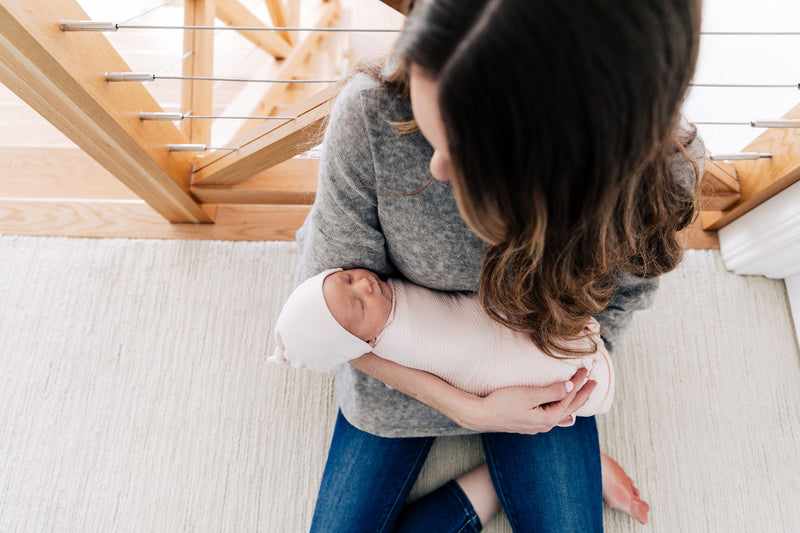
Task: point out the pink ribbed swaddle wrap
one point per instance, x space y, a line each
449 335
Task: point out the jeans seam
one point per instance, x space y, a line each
469 511
467 524
487 451
421 453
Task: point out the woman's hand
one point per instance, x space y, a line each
511 410
529 410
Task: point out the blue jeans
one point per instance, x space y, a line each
546 483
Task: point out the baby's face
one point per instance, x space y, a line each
359 301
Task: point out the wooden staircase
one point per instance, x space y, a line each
100 171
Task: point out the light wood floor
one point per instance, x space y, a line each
58 190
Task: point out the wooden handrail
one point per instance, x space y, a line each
288 67
268 144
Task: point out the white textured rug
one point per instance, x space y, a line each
135 395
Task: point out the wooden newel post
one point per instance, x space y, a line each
62 76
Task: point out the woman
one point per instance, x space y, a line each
560 176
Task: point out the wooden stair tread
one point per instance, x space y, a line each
292 182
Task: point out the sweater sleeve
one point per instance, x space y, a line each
342 229
634 293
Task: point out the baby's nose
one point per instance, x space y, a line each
365 285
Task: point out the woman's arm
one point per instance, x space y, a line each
526 410
344 230
632 293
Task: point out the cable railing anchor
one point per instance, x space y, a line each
740 156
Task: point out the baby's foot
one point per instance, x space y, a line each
619 492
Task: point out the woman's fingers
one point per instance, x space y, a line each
582 397
563 391
577 403
561 411
533 410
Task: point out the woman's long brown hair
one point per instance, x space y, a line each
561 120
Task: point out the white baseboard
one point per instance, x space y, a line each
793 290
766 242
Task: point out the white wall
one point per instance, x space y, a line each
370 14
743 60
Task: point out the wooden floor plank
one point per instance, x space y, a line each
291 182
695 238
135 219
56 172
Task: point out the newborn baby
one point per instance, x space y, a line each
339 315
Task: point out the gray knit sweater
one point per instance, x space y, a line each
355 223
